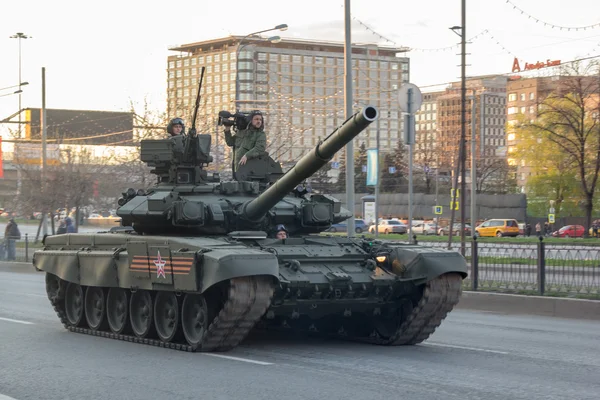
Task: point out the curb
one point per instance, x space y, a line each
530 305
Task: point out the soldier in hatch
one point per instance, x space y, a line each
248 143
176 127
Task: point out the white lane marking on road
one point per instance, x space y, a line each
3 397
451 346
18 321
237 359
26 294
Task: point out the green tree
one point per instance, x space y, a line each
391 182
360 177
553 171
569 119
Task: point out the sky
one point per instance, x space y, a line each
110 54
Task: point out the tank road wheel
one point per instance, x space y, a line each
194 318
140 313
117 309
74 300
95 308
166 315
55 287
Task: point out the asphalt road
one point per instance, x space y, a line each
472 356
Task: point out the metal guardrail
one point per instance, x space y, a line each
537 268
22 249
544 269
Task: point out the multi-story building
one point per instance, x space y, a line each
298 84
438 125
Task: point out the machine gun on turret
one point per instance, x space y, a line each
180 159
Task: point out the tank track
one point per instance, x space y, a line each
248 300
440 295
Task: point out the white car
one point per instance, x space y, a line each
389 226
424 228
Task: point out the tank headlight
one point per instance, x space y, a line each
381 259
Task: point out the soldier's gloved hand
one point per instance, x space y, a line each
243 160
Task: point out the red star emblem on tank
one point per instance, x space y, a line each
160 266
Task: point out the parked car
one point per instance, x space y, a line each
424 228
389 226
498 228
359 226
455 230
569 231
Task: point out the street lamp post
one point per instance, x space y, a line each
20 35
274 39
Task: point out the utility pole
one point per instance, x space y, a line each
463 121
473 166
19 36
378 176
348 108
43 171
462 150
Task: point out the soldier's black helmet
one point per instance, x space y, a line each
175 121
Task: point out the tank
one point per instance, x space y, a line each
194 265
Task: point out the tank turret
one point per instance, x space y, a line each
186 200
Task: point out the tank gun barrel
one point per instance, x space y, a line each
310 163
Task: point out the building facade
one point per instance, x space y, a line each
438 128
297 84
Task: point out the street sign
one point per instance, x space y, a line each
335 165
364 168
392 170
437 210
416 98
551 218
551 210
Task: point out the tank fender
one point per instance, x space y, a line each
64 264
222 264
412 262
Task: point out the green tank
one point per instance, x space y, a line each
194 266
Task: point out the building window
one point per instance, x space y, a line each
512 97
296 59
178 63
171 64
208 59
522 96
186 62
394 66
194 61
200 59
531 96
217 57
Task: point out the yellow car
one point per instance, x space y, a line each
498 228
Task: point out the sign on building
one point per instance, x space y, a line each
31 154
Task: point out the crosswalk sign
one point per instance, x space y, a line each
437 210
551 218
